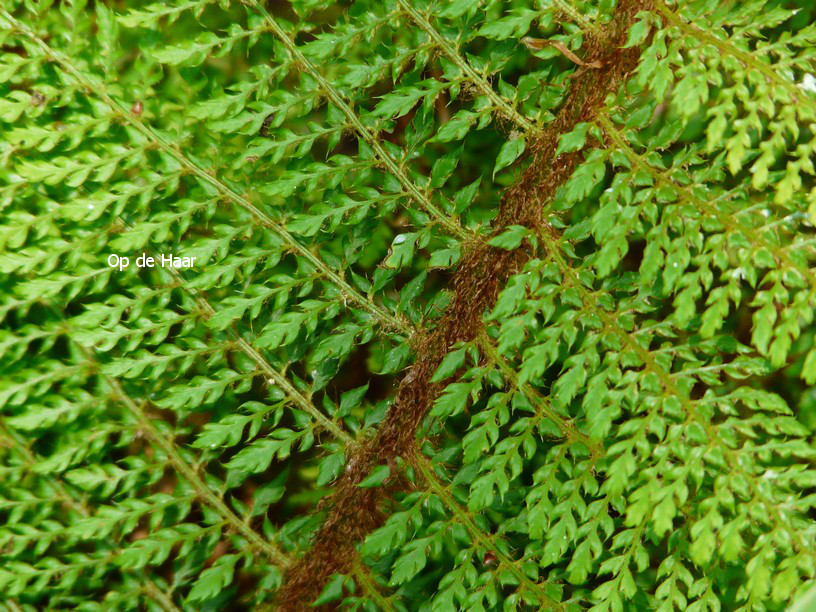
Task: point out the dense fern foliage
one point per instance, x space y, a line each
495 305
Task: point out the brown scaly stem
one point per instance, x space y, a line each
353 512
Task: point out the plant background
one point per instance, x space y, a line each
500 305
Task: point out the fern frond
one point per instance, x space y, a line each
487 305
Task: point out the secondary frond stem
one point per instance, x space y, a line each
727 48
363 577
365 133
536 399
203 491
704 207
159 596
565 7
296 396
260 544
670 388
504 107
424 467
79 506
226 191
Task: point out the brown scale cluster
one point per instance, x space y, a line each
354 512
